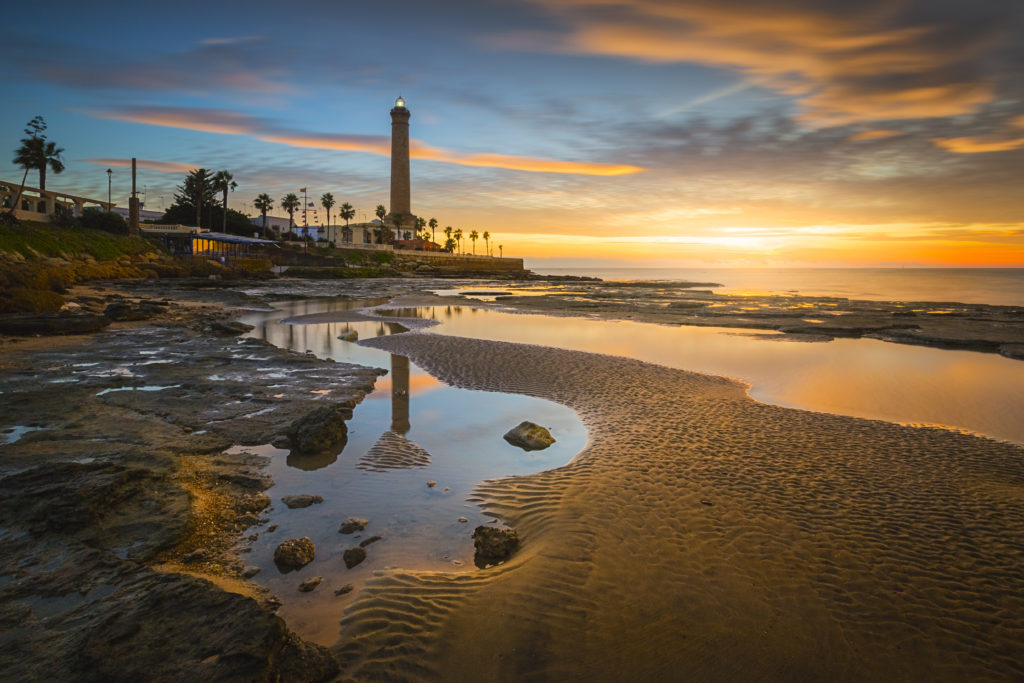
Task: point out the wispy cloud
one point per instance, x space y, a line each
877 134
146 165
235 123
843 62
982 145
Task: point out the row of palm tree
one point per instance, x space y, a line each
290 202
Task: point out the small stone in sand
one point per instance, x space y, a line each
705 501
310 583
303 500
347 588
371 539
294 553
431 483
352 524
529 436
463 520
250 572
354 556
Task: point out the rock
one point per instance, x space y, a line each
294 553
122 312
310 583
353 556
529 437
352 524
1015 351
271 528
349 336
229 328
323 430
281 441
371 539
52 323
463 520
347 588
250 572
303 500
431 483
493 545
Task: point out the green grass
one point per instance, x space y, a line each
51 240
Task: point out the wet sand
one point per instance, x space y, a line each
702 535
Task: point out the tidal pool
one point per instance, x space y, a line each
977 392
413 429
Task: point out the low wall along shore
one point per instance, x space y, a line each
463 262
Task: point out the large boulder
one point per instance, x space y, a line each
529 437
322 431
493 545
295 553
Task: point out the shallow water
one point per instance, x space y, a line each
977 392
461 430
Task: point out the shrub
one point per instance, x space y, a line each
107 221
383 257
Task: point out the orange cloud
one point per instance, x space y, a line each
880 134
146 165
838 67
233 123
982 145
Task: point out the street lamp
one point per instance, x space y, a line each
109 174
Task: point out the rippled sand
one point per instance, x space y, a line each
702 535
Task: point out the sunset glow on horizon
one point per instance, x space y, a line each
690 132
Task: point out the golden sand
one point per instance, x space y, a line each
704 536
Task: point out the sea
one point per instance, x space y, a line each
996 286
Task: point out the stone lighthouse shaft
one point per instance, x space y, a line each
400 163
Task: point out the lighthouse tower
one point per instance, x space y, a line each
400 204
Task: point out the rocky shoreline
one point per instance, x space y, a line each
124 513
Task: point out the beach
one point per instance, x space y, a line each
699 534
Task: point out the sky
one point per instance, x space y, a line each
684 133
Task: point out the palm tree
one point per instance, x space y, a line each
433 226
36 153
487 242
263 204
223 181
458 238
448 238
347 212
381 212
327 201
474 236
289 203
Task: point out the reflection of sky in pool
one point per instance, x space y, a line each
419 525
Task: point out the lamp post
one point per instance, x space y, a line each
109 174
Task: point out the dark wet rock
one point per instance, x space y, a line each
253 503
303 500
321 431
122 311
228 328
281 441
463 520
685 305
1015 351
347 588
354 556
349 336
250 572
294 553
431 483
247 481
529 437
352 525
310 584
368 541
272 528
51 324
493 545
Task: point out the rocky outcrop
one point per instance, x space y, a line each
321 431
529 437
52 323
294 553
493 545
124 311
